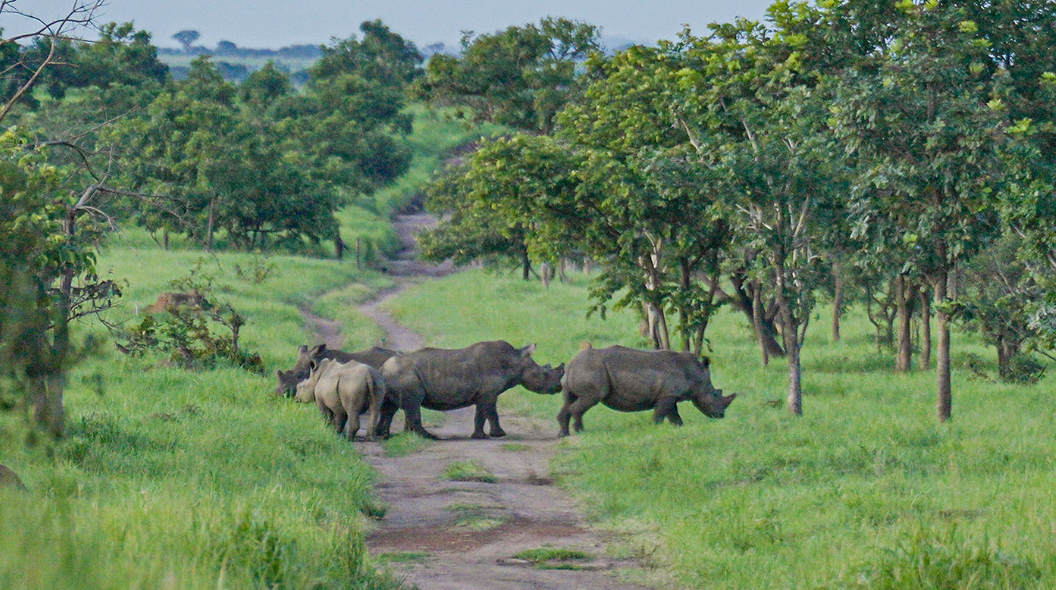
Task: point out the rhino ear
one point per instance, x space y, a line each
318 350
705 361
560 367
302 348
279 374
528 350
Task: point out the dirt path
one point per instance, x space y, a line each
444 534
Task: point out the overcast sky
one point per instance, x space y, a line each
275 23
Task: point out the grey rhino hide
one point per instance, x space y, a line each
343 391
288 380
447 379
630 380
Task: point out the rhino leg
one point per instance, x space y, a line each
340 420
565 415
478 422
375 417
494 430
352 426
667 407
578 408
384 420
413 422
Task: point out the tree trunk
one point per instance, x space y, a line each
165 239
209 226
544 274
795 372
904 360
744 302
945 398
837 301
757 323
1006 349
791 333
925 324
526 266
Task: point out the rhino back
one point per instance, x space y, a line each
453 378
630 379
374 356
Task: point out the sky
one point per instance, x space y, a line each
276 23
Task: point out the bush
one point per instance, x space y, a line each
1023 368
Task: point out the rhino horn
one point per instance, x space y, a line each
728 399
528 350
318 349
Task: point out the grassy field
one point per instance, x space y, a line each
196 479
866 490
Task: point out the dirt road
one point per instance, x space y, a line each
445 531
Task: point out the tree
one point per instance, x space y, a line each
49 227
226 170
1001 291
120 57
187 37
520 77
926 126
469 231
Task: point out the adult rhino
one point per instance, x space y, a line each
630 380
288 380
343 391
446 379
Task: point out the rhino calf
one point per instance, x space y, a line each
343 391
288 380
630 380
446 379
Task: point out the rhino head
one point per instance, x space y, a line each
706 398
538 378
288 380
713 405
306 388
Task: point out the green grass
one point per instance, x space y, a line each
866 490
179 479
470 470
475 517
403 557
401 445
544 554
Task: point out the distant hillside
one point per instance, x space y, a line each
235 63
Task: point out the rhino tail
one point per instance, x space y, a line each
586 345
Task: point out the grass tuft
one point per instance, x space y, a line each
470 470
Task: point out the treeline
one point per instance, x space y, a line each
898 154
99 136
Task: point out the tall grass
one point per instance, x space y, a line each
178 479
866 490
